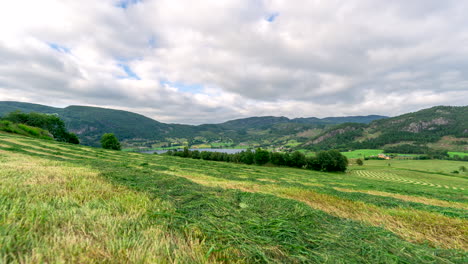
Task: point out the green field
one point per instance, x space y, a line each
461 154
361 153
62 203
431 166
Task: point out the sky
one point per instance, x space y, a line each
208 61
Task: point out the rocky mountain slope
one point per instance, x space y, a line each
427 126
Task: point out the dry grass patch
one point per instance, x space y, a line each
416 199
266 180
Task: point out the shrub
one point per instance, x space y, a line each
332 160
277 159
110 141
298 159
247 157
261 156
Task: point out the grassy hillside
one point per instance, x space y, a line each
25 130
78 204
440 127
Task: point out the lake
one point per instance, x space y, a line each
229 151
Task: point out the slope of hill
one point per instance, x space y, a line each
77 204
89 123
10 106
418 128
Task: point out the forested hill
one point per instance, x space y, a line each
432 127
90 123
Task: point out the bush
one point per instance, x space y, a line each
261 156
298 160
332 160
195 154
277 159
359 162
110 141
247 157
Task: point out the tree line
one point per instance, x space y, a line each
329 161
51 123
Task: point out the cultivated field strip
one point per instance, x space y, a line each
385 176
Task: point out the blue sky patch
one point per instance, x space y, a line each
130 74
58 47
152 42
272 17
126 3
184 87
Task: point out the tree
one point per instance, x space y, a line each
277 159
298 159
195 154
332 160
73 138
359 162
313 163
110 141
206 155
186 152
51 123
261 156
247 157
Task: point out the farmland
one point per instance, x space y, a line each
70 203
361 153
461 154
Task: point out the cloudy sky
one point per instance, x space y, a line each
207 61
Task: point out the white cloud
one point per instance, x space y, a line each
315 58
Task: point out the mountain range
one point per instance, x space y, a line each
89 123
443 127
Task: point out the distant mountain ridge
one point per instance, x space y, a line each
89 123
251 122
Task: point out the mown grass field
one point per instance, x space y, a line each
68 203
461 154
361 153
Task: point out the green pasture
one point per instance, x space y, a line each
461 154
362 153
428 166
